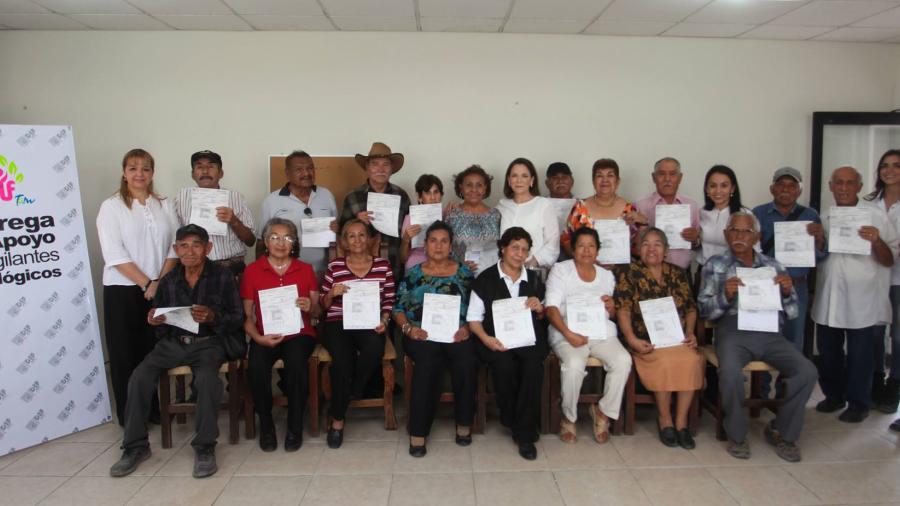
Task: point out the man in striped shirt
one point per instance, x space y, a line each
228 250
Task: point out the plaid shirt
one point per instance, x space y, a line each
215 289
718 269
356 202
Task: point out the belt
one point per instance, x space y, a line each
192 339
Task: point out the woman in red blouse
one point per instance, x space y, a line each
355 353
279 267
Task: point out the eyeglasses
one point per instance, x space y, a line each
307 212
279 238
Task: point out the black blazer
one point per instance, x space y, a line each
490 287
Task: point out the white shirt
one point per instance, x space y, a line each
538 218
224 246
712 232
143 235
852 290
284 204
475 312
564 281
894 217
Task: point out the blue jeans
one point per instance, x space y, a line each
895 339
793 330
846 377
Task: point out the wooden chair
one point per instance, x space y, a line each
386 401
755 402
169 410
633 398
281 400
483 395
554 371
446 397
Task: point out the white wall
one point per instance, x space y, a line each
445 100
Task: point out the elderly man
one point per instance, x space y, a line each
210 292
227 250
380 164
301 199
718 300
559 181
851 299
667 177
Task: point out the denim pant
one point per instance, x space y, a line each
895 339
846 377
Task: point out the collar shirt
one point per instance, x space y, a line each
894 218
852 290
142 235
284 204
357 201
768 215
224 246
215 289
718 269
647 207
538 218
475 313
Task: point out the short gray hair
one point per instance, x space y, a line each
653 230
746 214
279 221
667 159
854 169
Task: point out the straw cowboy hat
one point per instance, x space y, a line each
381 150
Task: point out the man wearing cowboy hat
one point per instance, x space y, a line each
379 165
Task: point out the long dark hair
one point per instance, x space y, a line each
534 190
879 184
734 202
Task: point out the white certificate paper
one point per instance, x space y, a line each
562 207
586 315
179 317
661 319
759 293
673 219
512 323
440 316
758 321
204 202
615 241
424 215
843 230
483 254
794 247
362 305
316 232
280 314
386 212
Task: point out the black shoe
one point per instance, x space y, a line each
851 415
335 438
891 398
267 441
685 440
527 451
129 462
830 405
293 442
205 462
895 426
668 436
417 451
464 440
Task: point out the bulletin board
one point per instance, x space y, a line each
340 174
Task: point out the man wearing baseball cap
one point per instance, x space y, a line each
227 250
559 181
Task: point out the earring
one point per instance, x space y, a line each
732 195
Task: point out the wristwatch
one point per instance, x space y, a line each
149 282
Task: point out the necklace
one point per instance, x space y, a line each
279 266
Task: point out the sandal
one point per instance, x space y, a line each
601 425
567 431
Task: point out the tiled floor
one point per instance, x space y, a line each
842 465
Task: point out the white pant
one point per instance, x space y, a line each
573 362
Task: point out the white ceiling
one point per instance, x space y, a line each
832 20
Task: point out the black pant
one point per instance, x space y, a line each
846 376
425 392
294 380
355 356
129 338
518 377
204 358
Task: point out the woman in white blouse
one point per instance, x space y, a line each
580 276
524 207
722 197
136 229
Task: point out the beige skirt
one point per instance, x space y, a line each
675 369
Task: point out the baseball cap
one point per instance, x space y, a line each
212 156
787 171
558 168
192 229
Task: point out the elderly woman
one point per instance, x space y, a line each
524 207
518 372
136 228
355 353
441 275
605 204
677 369
430 190
279 267
476 227
580 276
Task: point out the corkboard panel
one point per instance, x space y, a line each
340 174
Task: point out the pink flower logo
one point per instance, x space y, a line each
9 176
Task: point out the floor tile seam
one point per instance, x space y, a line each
723 487
640 486
48 494
787 470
